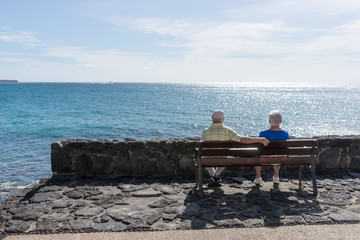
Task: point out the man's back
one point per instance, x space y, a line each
219 132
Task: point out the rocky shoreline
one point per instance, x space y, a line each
65 204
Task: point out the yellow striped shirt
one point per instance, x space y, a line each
219 132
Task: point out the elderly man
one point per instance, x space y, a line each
218 132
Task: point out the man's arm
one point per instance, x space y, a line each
249 140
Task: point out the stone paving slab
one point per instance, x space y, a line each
69 205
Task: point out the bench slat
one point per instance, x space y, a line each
225 162
273 144
252 152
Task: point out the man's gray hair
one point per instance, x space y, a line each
218 115
275 117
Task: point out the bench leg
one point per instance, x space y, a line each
313 173
196 178
200 180
300 180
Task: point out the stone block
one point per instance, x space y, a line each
186 164
355 164
355 150
328 158
343 163
341 143
104 165
145 166
61 162
164 166
123 165
84 166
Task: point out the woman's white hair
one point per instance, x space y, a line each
275 117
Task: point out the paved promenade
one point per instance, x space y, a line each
152 208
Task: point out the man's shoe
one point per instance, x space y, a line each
276 180
258 181
215 181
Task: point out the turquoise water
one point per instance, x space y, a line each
33 115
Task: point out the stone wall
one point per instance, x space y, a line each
132 157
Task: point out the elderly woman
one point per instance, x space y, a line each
273 133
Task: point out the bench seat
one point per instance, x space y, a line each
233 154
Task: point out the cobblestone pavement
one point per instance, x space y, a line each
64 205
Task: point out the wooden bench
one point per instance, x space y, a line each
230 153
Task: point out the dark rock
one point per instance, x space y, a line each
29 211
273 221
293 220
110 225
104 165
344 217
190 210
341 143
61 204
84 165
61 162
275 213
132 187
335 199
89 211
250 213
355 163
123 165
166 190
235 222
171 210
343 159
186 164
102 219
123 212
310 219
162 203
154 217
356 209
225 213
146 193
163 165
74 194
51 188
169 217
44 197
208 203
355 151
240 179
354 174
265 206
253 223
81 224
46 224
198 223
92 192
328 158
28 214
16 226
110 200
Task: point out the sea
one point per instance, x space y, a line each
34 115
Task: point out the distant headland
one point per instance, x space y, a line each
9 81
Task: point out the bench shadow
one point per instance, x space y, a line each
248 208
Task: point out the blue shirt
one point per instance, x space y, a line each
274 135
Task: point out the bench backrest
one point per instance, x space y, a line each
226 153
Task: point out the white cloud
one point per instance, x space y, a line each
26 38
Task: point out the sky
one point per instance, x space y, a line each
186 41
